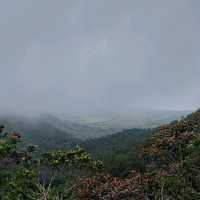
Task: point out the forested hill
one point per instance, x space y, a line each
172 166
118 151
39 132
49 131
165 166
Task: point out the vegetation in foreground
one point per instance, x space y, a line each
25 176
170 169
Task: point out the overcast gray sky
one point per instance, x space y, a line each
93 55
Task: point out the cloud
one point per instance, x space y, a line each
89 56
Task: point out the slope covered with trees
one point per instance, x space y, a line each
170 167
118 151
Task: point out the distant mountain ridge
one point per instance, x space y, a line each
50 131
38 131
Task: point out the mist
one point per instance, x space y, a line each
90 56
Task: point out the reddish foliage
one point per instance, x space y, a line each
108 187
164 156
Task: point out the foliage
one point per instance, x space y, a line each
172 167
118 151
23 176
168 167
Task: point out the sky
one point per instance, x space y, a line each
82 56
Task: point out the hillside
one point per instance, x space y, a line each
79 130
39 132
50 132
51 126
172 167
118 151
154 164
